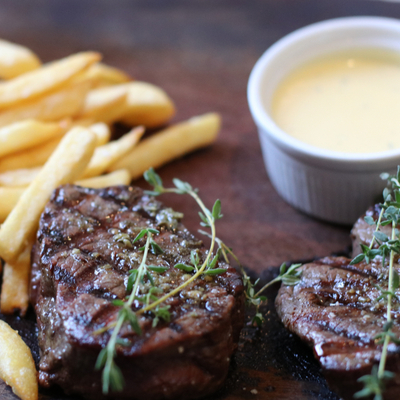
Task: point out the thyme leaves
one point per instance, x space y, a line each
112 378
154 302
373 384
288 276
387 247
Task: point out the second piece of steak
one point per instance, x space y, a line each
334 309
362 232
81 261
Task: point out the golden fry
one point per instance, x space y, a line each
102 132
101 129
18 177
25 134
9 197
30 158
24 176
145 104
119 177
170 143
15 286
66 102
44 80
104 105
38 155
105 75
16 60
17 367
66 164
106 155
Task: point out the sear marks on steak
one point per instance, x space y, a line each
80 264
334 309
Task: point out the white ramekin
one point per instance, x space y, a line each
333 186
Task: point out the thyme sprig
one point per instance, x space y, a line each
208 219
288 276
112 377
374 384
151 302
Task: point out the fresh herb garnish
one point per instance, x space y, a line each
112 377
153 302
289 276
385 246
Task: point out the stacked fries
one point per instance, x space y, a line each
56 122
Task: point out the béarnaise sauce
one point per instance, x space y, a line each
347 102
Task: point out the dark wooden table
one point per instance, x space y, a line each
201 52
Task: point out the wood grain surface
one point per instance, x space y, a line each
201 52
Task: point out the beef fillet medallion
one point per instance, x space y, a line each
81 262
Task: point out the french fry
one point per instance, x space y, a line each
101 129
16 60
38 155
170 143
119 177
102 132
104 105
146 104
66 102
18 177
17 367
65 165
105 75
15 286
25 134
30 158
106 155
44 80
9 197
21 178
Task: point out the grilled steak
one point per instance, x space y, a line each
334 310
80 264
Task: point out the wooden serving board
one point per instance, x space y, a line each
271 363
201 53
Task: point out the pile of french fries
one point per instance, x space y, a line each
56 124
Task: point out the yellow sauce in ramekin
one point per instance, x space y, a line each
347 102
